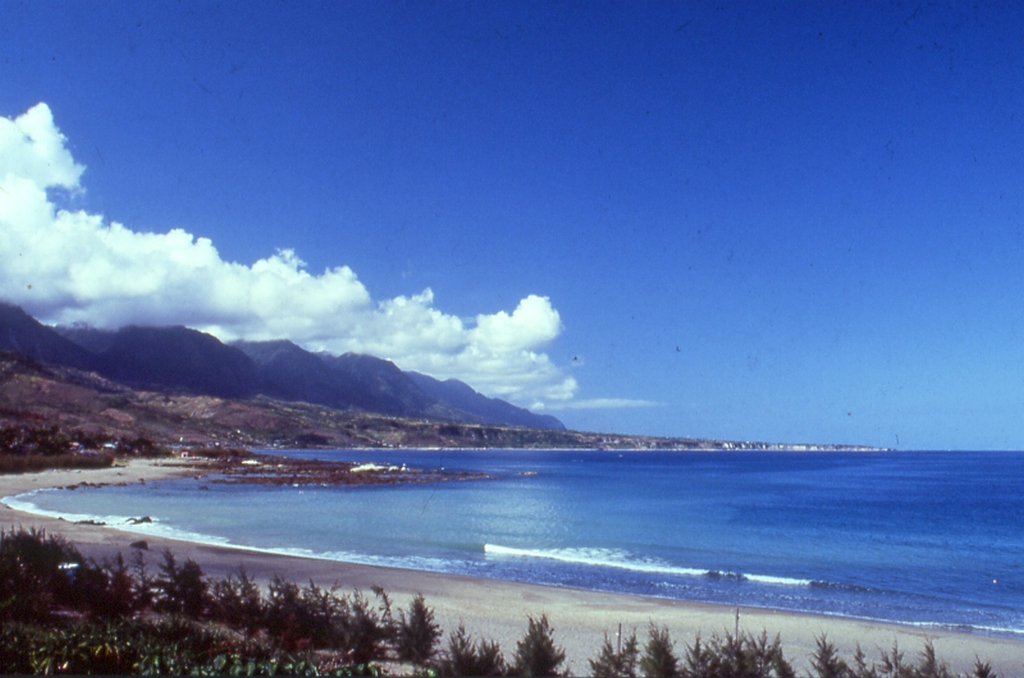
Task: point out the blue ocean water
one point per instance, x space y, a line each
929 538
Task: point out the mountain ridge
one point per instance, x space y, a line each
181 359
66 399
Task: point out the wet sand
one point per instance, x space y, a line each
499 610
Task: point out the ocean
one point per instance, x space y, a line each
926 538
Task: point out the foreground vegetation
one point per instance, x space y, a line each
64 614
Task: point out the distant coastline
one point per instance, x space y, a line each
40 395
178 387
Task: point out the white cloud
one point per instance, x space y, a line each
601 404
533 323
64 267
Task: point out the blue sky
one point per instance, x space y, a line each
795 222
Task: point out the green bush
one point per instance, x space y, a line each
121 599
743 655
367 629
313 617
237 602
184 589
826 661
617 663
466 657
143 585
303 618
171 647
37 573
983 670
536 653
417 634
659 660
929 665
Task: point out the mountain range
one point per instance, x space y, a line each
183 360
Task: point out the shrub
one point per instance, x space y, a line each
659 660
417 633
184 588
367 630
929 665
313 617
468 658
304 617
982 669
742 655
36 574
766 657
237 601
175 646
536 653
826 662
120 599
617 663
892 663
142 583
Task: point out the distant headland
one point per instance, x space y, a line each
179 387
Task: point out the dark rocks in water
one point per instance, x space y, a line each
139 521
142 545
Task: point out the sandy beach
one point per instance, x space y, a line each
499 610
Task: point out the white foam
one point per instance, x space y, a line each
777 581
156 528
600 557
971 628
623 561
132 524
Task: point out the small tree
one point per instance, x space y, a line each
106 591
37 573
826 661
536 653
367 630
767 656
237 601
929 665
742 655
617 663
418 633
698 659
467 658
288 620
982 669
659 660
304 617
121 587
860 667
185 590
143 583
892 663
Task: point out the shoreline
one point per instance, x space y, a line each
498 610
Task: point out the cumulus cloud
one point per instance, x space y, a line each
71 266
602 404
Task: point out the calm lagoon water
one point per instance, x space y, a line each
930 538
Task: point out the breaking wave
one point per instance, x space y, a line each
622 560
154 527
